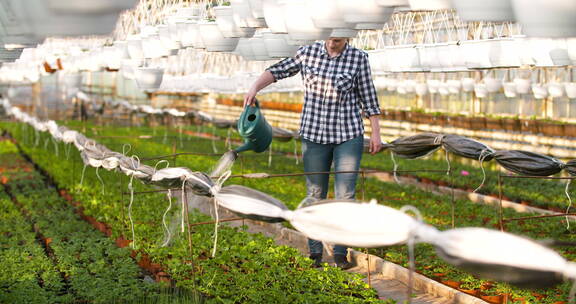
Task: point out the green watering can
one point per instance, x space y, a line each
255 130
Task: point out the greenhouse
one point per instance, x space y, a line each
287 151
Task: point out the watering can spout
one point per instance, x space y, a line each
254 129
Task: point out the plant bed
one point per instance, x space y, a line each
434 209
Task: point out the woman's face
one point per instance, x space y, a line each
336 45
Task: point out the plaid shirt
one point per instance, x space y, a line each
336 91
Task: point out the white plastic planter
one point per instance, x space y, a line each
480 90
487 10
243 17
366 14
256 8
442 54
421 89
409 86
259 48
429 5
559 53
299 24
555 89
493 85
213 39
433 85
134 47
540 51
149 79
276 45
523 85
327 14
546 18
454 86
468 84
166 38
457 58
129 66
391 84
274 16
540 91
244 49
570 88
152 47
443 89
509 89
227 25
403 58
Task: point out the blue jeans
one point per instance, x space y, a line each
345 156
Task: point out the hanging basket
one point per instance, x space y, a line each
213 39
366 14
509 89
149 79
274 16
546 18
299 22
276 45
227 25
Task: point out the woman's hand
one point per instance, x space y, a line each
375 143
250 98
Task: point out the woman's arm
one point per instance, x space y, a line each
375 140
263 81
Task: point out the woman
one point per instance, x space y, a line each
338 90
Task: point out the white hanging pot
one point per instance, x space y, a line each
259 48
559 54
213 39
433 85
421 89
134 47
166 38
488 10
493 85
227 25
276 45
504 53
429 5
274 16
299 22
570 88
391 84
409 86
546 18
242 14
540 51
366 14
400 88
256 8
244 49
425 56
454 86
188 33
149 79
539 91
480 90
153 47
128 67
509 89
443 89
327 14
523 85
477 53
113 57
555 89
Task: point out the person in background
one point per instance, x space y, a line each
338 91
